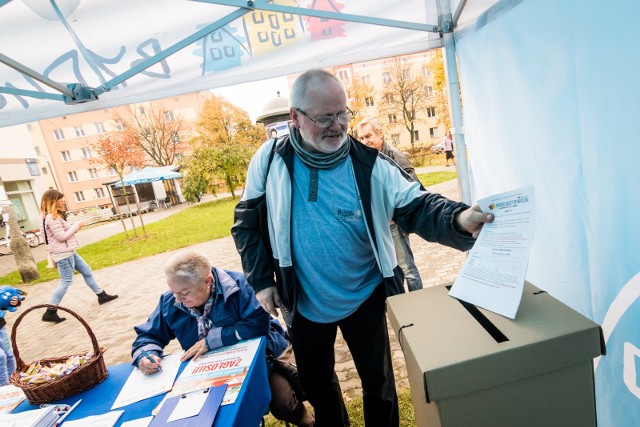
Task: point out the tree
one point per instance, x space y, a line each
159 134
436 70
403 95
119 154
21 251
360 94
224 145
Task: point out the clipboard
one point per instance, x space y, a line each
205 417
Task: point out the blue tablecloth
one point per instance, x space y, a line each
247 411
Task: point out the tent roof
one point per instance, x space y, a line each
148 174
69 56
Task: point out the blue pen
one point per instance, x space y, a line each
148 356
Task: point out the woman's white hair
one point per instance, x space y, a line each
187 267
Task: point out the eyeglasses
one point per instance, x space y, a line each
326 121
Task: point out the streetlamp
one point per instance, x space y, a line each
51 171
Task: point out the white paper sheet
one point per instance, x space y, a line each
189 405
104 420
493 274
140 386
140 422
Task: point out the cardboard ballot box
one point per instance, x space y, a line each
470 367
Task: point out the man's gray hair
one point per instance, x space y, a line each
187 267
298 96
375 124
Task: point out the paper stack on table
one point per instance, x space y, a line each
43 417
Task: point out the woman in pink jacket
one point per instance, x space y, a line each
61 244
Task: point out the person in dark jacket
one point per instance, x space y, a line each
370 133
323 252
207 308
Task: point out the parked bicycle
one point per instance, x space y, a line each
32 237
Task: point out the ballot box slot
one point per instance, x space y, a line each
488 326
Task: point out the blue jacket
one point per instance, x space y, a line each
236 315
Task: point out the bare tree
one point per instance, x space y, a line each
159 134
404 95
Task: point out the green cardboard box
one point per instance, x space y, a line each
471 367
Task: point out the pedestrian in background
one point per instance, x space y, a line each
448 148
371 134
62 244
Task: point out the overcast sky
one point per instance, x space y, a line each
253 96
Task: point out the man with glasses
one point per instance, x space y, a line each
320 249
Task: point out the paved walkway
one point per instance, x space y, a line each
140 283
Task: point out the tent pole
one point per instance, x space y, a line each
455 106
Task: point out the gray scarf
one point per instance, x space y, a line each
316 160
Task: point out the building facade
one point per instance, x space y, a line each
65 146
428 131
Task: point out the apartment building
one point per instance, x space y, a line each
23 180
66 142
427 130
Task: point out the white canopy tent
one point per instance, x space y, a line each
547 91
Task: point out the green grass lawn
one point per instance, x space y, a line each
356 414
196 224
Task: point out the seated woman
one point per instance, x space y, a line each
207 308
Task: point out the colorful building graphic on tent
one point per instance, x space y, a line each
268 31
221 50
321 28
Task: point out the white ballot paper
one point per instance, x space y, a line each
140 386
493 274
140 422
104 420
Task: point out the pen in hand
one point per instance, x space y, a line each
148 356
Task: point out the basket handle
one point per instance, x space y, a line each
20 363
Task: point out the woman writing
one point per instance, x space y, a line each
61 244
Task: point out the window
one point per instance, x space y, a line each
175 138
100 127
44 171
343 75
433 132
66 156
393 118
99 193
79 130
58 134
388 97
79 196
29 127
120 125
425 71
168 116
369 101
395 138
86 152
112 171
38 152
428 91
386 77
73 176
365 79
93 172
141 110
416 135
431 111
406 74
32 165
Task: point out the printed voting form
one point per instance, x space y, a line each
493 274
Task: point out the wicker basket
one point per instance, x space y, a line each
83 378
